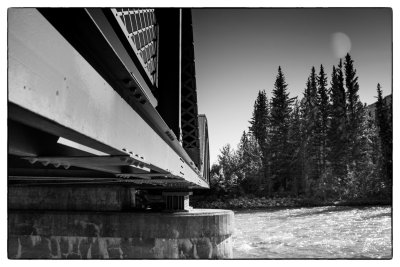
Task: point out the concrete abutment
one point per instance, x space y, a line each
75 231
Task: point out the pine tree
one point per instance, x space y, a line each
280 123
259 120
385 136
259 127
365 179
244 155
337 132
311 124
355 111
243 147
323 106
296 149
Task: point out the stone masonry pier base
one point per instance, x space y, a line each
48 232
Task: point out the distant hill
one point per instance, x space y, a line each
371 109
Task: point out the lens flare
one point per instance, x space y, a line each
341 44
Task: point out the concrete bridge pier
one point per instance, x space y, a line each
63 222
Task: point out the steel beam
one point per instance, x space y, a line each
156 183
103 44
190 127
112 164
169 65
52 83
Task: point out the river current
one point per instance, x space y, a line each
321 232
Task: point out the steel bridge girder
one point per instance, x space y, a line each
50 79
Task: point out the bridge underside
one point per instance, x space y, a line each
82 111
105 143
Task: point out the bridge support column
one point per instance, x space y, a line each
65 222
177 201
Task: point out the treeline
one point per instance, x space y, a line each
324 145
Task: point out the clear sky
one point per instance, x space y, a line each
238 52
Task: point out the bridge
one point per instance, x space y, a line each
105 140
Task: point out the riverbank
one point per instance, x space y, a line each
282 202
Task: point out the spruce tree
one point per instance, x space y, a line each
323 106
243 155
385 136
280 123
355 112
296 149
259 120
337 132
311 124
259 127
365 179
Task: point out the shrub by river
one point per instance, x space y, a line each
280 202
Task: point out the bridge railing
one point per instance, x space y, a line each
140 28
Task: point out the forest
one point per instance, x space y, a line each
325 146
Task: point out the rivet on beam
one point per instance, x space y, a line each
66 166
56 164
32 161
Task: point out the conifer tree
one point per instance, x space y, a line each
385 136
296 149
337 132
311 125
280 123
323 106
259 127
355 112
259 121
365 178
243 157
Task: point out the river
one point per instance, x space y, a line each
321 232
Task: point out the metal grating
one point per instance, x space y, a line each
141 30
